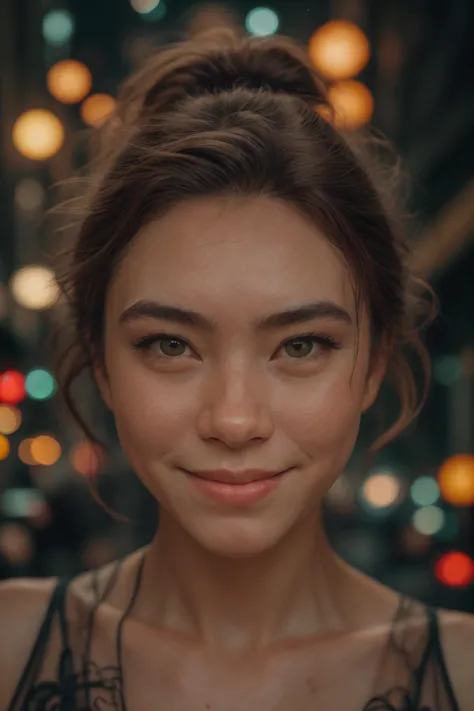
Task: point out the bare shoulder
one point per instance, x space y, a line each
457 639
23 605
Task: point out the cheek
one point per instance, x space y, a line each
151 415
324 421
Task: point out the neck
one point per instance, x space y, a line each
297 590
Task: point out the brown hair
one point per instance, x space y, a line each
228 114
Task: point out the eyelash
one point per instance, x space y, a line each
326 341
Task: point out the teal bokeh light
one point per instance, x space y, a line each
425 491
40 384
58 27
156 14
262 21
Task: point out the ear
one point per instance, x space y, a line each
376 373
102 381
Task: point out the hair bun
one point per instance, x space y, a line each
219 61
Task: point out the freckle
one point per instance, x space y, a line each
312 686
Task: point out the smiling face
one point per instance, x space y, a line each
231 388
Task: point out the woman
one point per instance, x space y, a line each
227 224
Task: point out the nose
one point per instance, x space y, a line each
235 409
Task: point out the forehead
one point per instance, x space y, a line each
233 254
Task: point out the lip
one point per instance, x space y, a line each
236 494
227 476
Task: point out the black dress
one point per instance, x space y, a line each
414 664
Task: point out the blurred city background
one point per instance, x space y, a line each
403 66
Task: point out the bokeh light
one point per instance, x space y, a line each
209 16
447 370
45 450
413 542
96 108
352 102
38 134
4 447
456 480
35 287
17 502
39 514
58 27
380 491
69 81
40 384
10 419
425 491
12 387
86 458
24 451
262 21
339 49
455 569
16 543
428 520
155 12
143 7
29 195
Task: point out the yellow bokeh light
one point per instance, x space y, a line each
45 450
69 81
352 102
456 480
4 447
24 451
381 490
10 419
339 49
38 134
35 287
96 108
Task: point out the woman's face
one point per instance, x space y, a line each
229 393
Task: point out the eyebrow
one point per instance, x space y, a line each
175 314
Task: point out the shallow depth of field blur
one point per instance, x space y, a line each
400 65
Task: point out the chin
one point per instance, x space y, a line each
237 539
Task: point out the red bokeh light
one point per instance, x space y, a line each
12 387
455 569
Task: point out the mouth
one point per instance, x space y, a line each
236 494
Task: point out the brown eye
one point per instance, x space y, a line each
301 347
171 347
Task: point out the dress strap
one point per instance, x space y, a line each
35 658
440 658
434 650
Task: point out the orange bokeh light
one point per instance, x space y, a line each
24 451
86 458
10 419
352 102
69 81
339 49
45 450
456 480
4 447
96 108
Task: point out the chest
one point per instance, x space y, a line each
297 685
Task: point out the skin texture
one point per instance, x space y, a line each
239 577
